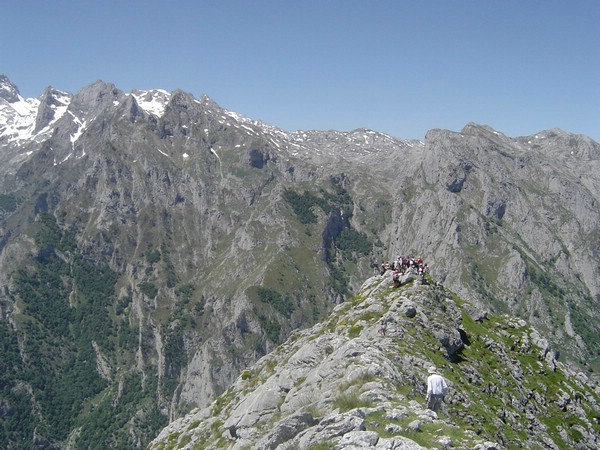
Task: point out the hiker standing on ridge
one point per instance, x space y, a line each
436 389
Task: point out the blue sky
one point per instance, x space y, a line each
399 67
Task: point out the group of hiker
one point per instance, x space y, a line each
401 265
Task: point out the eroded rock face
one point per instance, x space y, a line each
363 372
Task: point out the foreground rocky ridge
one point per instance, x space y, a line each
358 380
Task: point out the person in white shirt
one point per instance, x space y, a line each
436 389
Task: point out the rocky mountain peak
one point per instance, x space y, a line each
478 129
181 99
17 116
53 104
560 144
92 99
209 103
8 91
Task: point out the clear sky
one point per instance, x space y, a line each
395 66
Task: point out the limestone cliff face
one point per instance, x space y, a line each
358 380
224 234
504 213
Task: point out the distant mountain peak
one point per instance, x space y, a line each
98 95
53 104
17 115
475 128
8 91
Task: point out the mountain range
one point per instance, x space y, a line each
153 246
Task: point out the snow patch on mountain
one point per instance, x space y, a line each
80 129
59 106
152 101
17 119
256 126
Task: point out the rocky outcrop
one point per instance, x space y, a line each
358 380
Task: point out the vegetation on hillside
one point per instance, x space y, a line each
8 203
49 373
341 243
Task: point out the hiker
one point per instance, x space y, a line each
436 389
375 266
402 265
385 266
396 278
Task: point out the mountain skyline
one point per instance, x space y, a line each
401 68
20 122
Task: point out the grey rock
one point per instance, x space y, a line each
415 425
262 403
358 439
445 441
286 429
393 428
330 428
488 446
398 443
408 309
475 312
